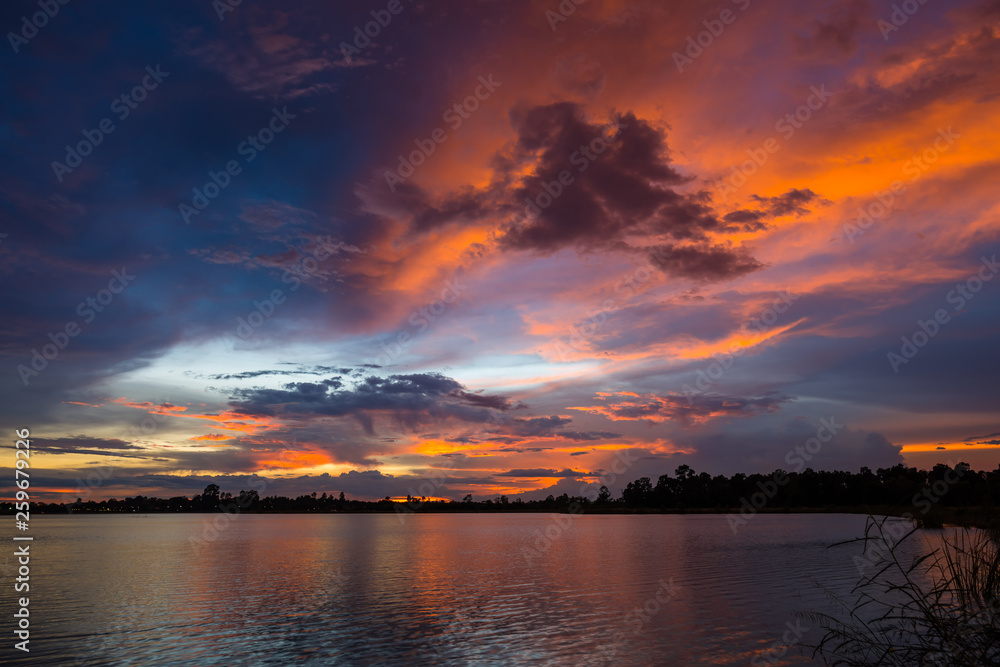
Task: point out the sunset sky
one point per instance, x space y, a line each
495 244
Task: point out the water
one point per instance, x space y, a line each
478 589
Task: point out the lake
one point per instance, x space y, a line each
423 589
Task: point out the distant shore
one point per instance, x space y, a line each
938 517
942 496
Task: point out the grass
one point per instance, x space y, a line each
918 605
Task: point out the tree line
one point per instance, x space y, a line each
898 486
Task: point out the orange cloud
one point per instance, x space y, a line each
293 460
228 420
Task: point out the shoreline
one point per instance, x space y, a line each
938 517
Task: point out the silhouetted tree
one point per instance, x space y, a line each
638 493
603 495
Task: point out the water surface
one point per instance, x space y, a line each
479 589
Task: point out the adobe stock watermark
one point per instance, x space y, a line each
460 623
428 489
230 511
792 637
264 308
420 320
249 149
982 623
122 106
797 457
223 7
581 158
963 293
786 126
454 117
714 28
149 425
372 29
900 15
88 310
581 333
565 9
760 325
30 27
891 532
642 615
915 168
562 522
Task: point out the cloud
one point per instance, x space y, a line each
413 399
628 188
543 472
276 217
792 202
81 444
836 29
588 435
982 437
521 428
618 184
746 221
763 446
573 487
700 409
269 62
535 426
246 375
704 263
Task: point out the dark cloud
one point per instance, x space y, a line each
628 188
414 399
246 375
746 221
588 435
982 437
704 262
542 427
791 203
536 426
767 447
74 442
696 409
80 444
543 472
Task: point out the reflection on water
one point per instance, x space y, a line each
430 589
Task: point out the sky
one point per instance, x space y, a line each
485 247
